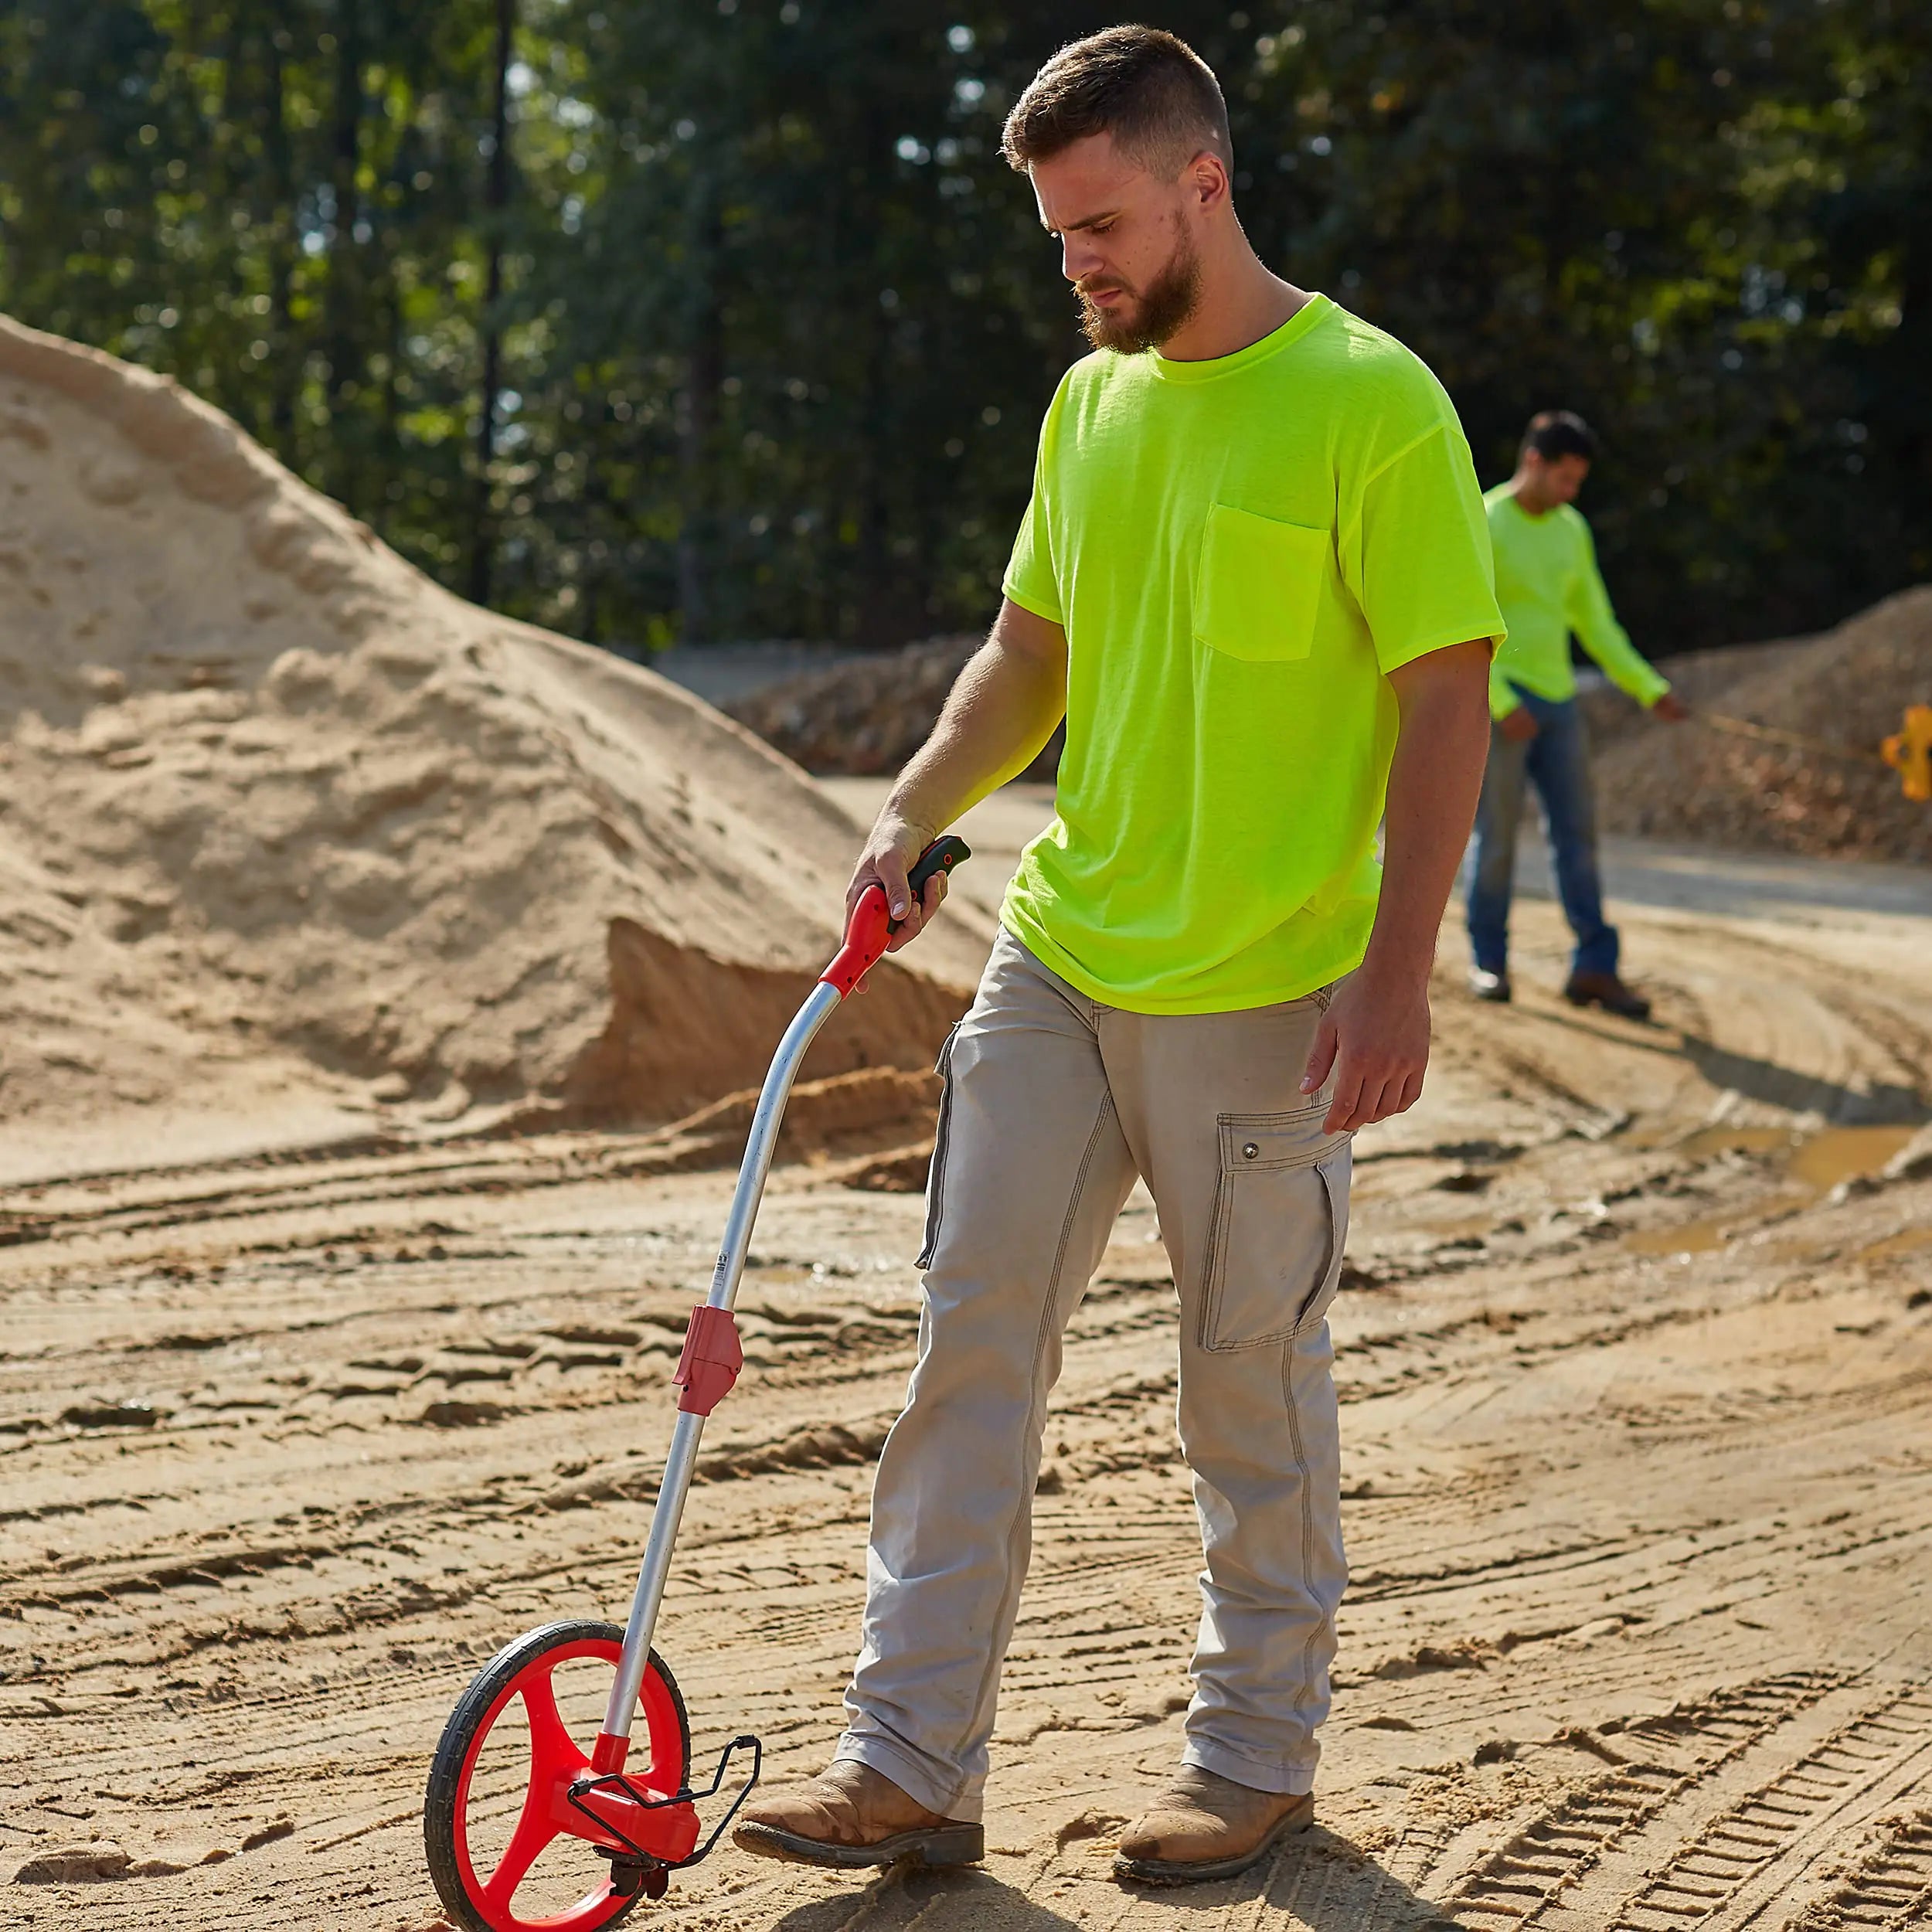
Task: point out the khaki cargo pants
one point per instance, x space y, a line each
1052 1104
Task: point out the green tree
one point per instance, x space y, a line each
726 319
278 204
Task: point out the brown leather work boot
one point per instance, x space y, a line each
1204 1826
1605 990
851 1816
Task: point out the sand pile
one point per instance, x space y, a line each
286 823
865 719
1698 781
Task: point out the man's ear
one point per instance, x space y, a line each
1207 178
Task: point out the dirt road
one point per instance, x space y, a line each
1636 1361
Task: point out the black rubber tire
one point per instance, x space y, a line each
446 1768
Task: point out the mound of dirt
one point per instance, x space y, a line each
1700 678
288 825
1702 781
1699 782
865 719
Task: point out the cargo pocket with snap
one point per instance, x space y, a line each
1257 586
1281 1217
936 1173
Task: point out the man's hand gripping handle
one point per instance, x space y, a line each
872 923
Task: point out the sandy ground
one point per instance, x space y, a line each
1634 1354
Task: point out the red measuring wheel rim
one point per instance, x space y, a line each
557 1759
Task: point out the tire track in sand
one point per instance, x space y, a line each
1670 1758
1771 1840
1890 1886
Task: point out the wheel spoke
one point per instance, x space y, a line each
553 1758
552 1749
535 1829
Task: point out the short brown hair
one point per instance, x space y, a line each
1555 433
1152 93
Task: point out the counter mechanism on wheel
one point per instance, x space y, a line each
627 1802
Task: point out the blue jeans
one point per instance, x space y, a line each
1556 761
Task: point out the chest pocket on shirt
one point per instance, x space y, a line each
1257 585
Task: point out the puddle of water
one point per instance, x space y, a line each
1709 1140
1839 1153
1818 1161
1687 1237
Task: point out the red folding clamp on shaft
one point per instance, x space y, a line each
712 1357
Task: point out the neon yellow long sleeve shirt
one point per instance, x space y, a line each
1548 584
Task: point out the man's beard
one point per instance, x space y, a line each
1163 307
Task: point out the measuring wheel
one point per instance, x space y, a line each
547 1811
523 1834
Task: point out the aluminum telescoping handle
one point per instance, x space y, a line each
866 934
682 1462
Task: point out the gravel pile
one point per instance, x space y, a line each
1700 678
1690 783
864 719
1849 687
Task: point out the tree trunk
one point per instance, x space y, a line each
1910 403
496 200
697 415
344 278
284 365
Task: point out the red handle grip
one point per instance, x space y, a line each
871 925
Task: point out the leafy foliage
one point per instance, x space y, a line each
775 324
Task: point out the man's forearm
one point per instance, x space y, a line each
999 716
1373 1041
1434 783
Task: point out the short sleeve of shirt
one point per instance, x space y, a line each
1417 556
1031 580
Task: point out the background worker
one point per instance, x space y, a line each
1253 578
1549 587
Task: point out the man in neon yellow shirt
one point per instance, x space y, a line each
1548 586
1254 580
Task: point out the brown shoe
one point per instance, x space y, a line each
1205 1826
1605 990
851 1816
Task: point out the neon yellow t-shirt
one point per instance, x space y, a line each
1548 584
1240 551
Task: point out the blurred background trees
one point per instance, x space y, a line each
723 318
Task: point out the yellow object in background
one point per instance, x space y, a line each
1910 753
